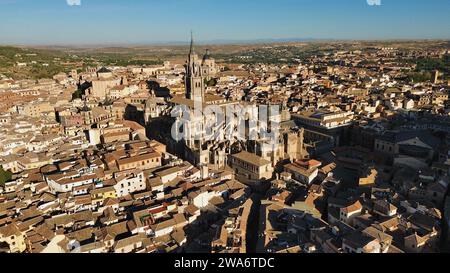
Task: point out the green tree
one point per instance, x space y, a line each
5 176
211 82
77 95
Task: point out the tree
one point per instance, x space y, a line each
5 176
78 94
211 82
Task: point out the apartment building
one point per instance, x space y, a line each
143 161
250 168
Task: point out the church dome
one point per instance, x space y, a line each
104 70
206 56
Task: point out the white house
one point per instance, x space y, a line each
67 183
132 182
347 214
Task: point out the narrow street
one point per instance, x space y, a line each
253 223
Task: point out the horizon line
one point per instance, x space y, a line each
218 42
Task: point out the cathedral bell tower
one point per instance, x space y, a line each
194 80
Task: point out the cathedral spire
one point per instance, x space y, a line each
194 80
191 51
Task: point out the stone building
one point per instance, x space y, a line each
212 128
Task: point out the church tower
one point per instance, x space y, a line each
194 80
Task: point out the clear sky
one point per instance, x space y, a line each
149 21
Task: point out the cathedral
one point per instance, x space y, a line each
206 143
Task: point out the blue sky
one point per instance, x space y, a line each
147 21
